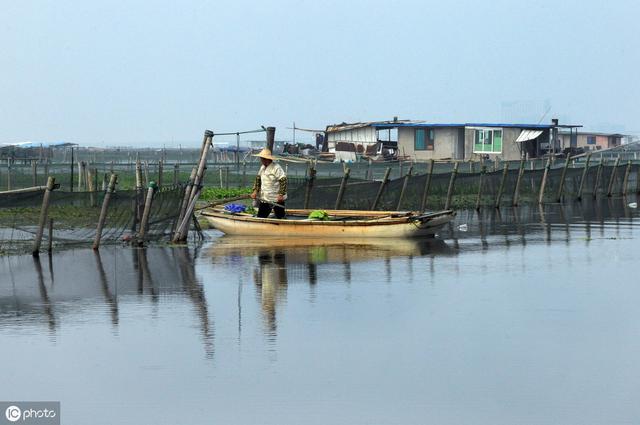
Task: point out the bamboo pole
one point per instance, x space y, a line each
562 177
310 181
516 189
271 135
34 172
343 187
187 195
544 181
596 186
427 186
452 182
91 186
503 180
405 183
383 184
625 181
160 173
183 228
583 179
50 237
144 223
481 183
103 212
44 212
612 179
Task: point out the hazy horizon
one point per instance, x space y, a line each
141 73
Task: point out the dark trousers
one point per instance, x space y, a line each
264 209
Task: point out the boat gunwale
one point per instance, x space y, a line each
379 221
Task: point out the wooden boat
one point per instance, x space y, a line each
341 224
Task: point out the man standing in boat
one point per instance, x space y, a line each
270 187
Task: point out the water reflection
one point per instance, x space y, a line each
106 279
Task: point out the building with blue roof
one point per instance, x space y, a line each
422 140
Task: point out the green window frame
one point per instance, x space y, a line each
424 139
420 144
487 141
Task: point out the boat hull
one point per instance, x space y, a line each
407 226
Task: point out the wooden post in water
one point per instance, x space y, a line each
187 194
271 136
176 174
46 170
427 186
160 173
383 184
562 177
516 189
146 173
144 223
44 213
310 180
503 180
183 227
481 183
34 172
596 186
8 173
583 179
612 179
625 181
343 187
452 182
544 181
244 173
369 176
50 237
103 212
91 188
405 183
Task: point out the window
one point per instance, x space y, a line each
424 139
591 140
487 141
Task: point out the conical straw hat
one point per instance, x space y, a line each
266 154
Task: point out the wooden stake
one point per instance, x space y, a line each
144 223
427 186
516 190
176 174
625 181
343 187
34 172
160 173
183 227
562 177
103 212
452 182
405 183
596 186
383 184
50 239
271 135
479 198
505 171
310 181
583 179
612 179
544 181
44 213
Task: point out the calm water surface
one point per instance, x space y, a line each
528 316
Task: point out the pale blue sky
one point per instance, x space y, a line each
141 72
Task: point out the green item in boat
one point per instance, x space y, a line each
319 215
